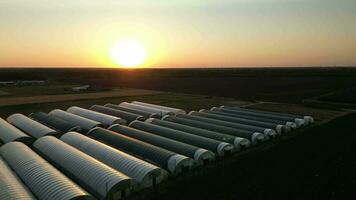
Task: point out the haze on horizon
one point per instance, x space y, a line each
179 33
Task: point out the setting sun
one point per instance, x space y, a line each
128 53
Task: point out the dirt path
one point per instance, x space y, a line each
10 101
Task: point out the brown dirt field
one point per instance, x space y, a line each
11 101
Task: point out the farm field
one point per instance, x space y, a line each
345 98
10 101
287 85
51 88
270 85
3 93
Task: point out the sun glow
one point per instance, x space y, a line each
128 53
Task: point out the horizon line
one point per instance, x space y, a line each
190 67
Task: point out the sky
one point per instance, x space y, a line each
179 33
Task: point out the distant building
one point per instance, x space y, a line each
7 83
81 88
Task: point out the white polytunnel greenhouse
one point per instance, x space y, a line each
134 111
308 119
11 187
171 161
225 112
105 119
97 178
298 121
238 142
218 147
43 179
254 137
129 117
9 133
84 123
30 126
202 156
170 109
54 122
279 128
193 115
144 174
146 109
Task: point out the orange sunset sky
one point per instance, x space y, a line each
177 33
